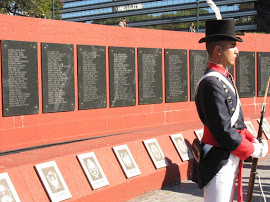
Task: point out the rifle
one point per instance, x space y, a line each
255 160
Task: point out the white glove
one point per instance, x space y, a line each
260 149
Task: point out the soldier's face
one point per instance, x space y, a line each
228 53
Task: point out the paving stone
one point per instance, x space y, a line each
188 191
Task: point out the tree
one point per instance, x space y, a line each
32 8
167 15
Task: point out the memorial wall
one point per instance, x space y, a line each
64 81
123 96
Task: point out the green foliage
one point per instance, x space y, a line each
246 6
158 16
32 8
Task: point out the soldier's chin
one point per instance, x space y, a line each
232 63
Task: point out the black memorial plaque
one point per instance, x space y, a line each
150 75
231 70
263 69
245 74
176 75
58 77
122 76
92 77
198 65
19 78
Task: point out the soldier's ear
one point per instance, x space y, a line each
217 50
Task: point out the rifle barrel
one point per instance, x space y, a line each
255 160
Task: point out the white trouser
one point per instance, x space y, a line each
221 187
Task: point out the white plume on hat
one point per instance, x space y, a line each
215 9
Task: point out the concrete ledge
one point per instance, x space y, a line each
20 166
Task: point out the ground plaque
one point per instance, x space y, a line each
19 78
53 181
58 77
198 65
92 76
126 161
122 76
245 74
199 134
7 190
93 170
155 153
181 146
263 71
265 127
251 128
176 75
150 75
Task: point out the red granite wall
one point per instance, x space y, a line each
150 121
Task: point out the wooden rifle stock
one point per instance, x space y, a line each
255 160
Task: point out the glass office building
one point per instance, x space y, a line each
166 14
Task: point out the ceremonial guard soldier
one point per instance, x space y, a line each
226 141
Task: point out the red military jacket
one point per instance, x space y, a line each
216 103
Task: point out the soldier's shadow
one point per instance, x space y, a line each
172 179
172 175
